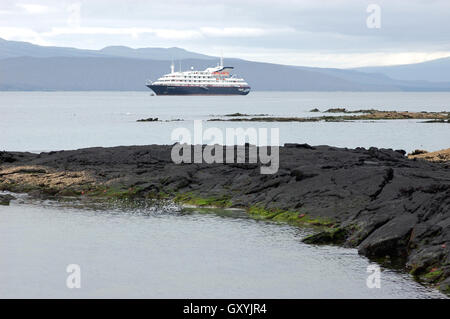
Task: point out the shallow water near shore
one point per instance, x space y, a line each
48 121
146 252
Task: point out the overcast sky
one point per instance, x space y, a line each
327 33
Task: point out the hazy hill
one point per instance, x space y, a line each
11 49
153 53
434 71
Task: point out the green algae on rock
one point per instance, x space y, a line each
288 216
214 201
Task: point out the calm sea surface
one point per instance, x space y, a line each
44 121
154 252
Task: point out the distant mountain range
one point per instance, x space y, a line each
14 49
433 71
25 66
153 53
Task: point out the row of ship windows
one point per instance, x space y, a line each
194 81
196 77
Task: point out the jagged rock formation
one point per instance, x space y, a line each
383 203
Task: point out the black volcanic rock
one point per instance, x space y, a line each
381 202
5 199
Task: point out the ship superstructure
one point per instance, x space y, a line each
212 81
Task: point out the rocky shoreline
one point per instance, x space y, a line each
392 209
343 115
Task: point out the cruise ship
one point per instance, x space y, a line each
212 81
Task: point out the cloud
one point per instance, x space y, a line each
174 34
301 32
238 32
74 10
34 8
167 33
133 32
22 34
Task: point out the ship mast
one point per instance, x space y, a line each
172 68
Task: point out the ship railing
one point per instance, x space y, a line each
148 82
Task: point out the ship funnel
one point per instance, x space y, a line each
172 68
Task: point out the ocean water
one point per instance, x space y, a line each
44 121
154 253
165 253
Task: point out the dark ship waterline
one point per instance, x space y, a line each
212 81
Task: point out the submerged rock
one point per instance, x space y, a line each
335 236
5 199
150 119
